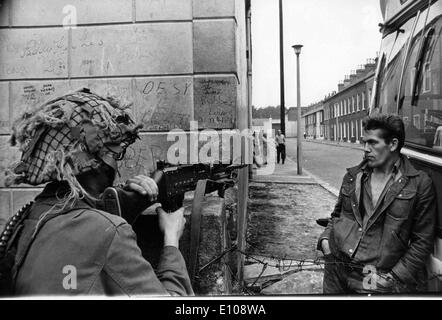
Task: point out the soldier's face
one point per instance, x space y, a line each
97 180
376 151
108 175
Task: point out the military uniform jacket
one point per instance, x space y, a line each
84 251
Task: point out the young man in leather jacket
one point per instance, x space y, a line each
381 230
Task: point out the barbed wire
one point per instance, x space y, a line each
289 266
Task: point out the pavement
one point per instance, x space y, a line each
284 173
282 227
283 210
350 145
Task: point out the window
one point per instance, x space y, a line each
422 114
417 121
363 100
353 104
357 129
391 57
357 102
427 77
412 73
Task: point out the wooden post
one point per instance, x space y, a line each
243 196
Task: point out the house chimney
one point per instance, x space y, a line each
340 86
352 75
360 72
370 65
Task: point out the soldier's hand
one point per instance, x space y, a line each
172 225
143 185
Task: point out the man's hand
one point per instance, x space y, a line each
385 281
172 225
325 247
143 185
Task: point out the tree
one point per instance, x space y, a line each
267 112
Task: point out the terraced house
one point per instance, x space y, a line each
345 109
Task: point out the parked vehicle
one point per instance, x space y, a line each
408 82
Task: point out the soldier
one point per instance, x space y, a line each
381 230
67 246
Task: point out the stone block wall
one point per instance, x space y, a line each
177 60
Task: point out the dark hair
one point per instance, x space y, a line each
391 127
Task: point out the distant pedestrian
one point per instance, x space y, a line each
264 147
257 154
280 147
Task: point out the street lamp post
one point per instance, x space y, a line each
297 48
281 67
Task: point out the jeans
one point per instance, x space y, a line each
280 153
344 277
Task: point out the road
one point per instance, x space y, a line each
327 162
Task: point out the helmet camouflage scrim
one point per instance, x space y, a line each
68 136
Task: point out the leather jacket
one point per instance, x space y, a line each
399 237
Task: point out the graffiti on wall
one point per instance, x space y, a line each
33 54
164 104
215 102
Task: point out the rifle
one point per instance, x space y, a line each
173 182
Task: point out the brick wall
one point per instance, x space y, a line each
177 60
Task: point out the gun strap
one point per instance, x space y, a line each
195 227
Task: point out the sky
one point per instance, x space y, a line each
338 36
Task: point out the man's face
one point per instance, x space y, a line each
279 132
376 150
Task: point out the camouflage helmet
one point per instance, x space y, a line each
68 136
